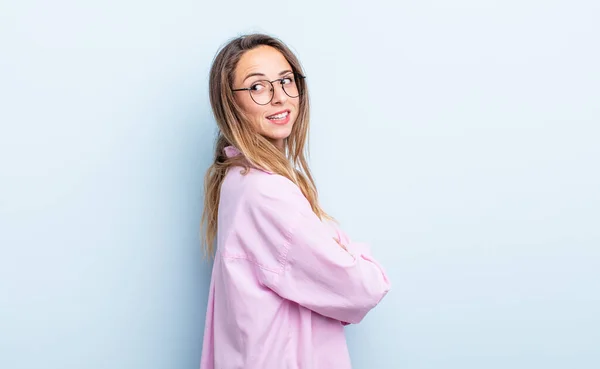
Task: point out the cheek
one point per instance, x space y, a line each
250 108
296 106
254 111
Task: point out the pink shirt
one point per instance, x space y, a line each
282 289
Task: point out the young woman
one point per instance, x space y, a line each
285 278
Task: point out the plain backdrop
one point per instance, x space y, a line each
459 138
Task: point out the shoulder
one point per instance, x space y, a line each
256 183
262 189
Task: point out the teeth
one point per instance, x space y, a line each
279 116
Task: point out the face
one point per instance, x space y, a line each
274 120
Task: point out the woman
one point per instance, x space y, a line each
285 278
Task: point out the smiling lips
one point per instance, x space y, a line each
281 117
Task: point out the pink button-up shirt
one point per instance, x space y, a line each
282 288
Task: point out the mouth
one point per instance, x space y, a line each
281 117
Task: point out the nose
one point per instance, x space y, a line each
279 96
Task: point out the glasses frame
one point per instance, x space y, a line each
299 77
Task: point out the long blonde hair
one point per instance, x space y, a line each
235 129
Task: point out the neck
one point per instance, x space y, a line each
280 144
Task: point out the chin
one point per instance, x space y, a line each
277 137
279 132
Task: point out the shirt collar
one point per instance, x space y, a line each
231 151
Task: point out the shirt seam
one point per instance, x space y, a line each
282 258
232 256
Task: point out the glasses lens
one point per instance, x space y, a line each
290 86
261 92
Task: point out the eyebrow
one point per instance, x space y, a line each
262 75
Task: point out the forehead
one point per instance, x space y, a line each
262 59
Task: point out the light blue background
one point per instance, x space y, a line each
459 138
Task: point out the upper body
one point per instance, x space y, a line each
282 288
285 279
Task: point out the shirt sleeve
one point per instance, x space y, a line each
353 247
315 271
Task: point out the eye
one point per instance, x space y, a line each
258 86
287 80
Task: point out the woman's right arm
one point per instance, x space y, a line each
314 271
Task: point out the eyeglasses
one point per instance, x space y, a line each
262 91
